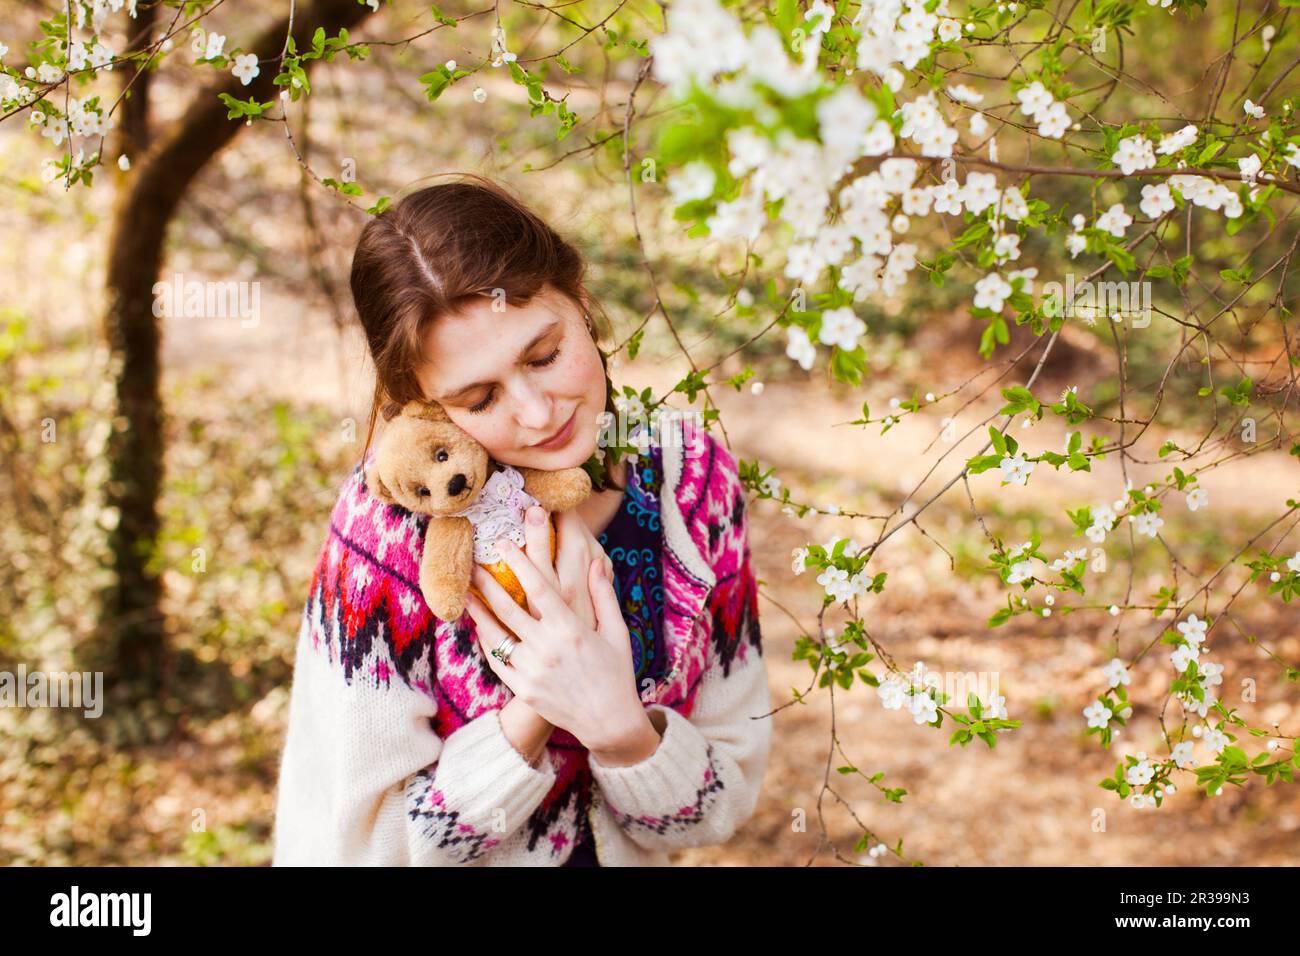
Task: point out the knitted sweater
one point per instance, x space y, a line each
395 754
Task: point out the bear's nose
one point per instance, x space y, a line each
457 484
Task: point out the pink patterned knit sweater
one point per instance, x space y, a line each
395 753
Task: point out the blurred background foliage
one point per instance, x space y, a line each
261 426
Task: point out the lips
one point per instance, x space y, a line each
560 437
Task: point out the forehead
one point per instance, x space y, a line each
480 343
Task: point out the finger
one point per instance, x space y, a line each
502 604
572 536
604 601
487 628
598 550
593 546
537 539
542 597
571 567
490 635
573 591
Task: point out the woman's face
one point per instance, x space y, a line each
517 376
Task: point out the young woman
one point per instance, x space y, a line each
630 718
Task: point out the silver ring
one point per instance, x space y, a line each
509 643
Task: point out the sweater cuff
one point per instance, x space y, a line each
676 785
481 787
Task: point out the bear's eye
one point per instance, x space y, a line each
441 455
422 491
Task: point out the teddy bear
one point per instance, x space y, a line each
428 465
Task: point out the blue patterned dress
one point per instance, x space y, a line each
634 543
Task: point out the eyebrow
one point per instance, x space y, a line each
450 396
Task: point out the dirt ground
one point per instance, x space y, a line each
1033 799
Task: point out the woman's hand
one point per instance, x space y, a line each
577 549
575 674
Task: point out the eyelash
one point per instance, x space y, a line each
483 405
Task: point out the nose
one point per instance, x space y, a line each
457 484
533 411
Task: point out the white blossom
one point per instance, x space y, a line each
980 192
836 583
742 218
1140 773
1176 142
214 47
897 175
947 197
964 94
1007 246
1147 523
1034 99
1249 166
923 708
1216 740
1098 714
1156 200
246 68
1115 220
892 692
991 292
1193 629
693 181
1182 655
1016 470
1020 571
799 348
1013 204
1054 121
841 327
1134 153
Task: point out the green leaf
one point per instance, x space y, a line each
442 17
982 463
248 108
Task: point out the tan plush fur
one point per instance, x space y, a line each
428 465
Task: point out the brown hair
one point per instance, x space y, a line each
439 248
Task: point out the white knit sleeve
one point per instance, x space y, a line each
365 780
704 779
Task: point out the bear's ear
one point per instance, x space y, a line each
426 411
376 485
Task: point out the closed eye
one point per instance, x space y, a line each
487 401
549 359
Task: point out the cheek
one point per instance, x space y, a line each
488 429
582 375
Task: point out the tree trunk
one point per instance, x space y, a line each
163 168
